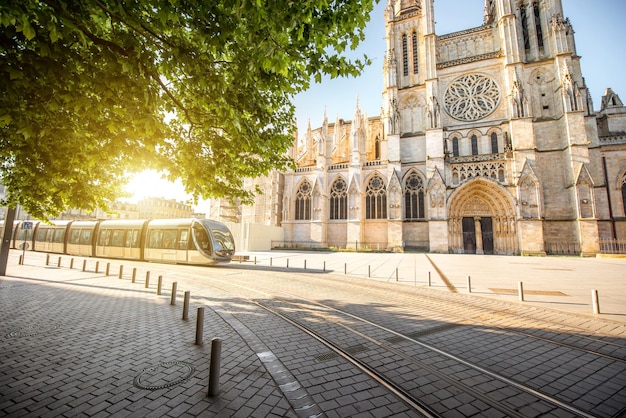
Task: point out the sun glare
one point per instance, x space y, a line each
149 183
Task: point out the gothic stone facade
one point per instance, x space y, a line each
487 142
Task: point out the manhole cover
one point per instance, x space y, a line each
163 375
30 330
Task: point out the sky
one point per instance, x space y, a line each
600 41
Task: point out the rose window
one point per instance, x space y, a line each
472 97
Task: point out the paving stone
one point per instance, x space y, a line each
109 330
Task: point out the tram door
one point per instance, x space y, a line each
486 227
469 236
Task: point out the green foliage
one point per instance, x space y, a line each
95 89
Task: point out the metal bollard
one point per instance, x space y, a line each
396 274
324 265
287 263
255 260
47 259
214 369
369 271
97 266
305 264
84 265
595 301
108 269
59 262
270 261
21 260
429 279
121 271
469 284
186 305
71 263
173 297
345 268
199 326
134 276
159 284
147 280
520 291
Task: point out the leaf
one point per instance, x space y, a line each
27 29
5 119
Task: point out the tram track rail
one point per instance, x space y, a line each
252 294
543 402
432 303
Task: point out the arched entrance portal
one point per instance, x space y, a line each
482 219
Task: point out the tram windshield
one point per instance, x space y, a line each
223 238
203 243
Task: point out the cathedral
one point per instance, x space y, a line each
487 143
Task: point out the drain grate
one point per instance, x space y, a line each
433 330
355 349
163 375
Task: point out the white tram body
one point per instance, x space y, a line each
51 238
189 241
120 239
183 241
81 238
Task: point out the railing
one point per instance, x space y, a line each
420 246
563 248
373 163
613 246
350 246
464 159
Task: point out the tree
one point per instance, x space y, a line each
93 90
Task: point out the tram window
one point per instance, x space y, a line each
105 236
41 234
169 238
118 238
85 237
201 238
155 238
74 236
58 235
182 241
132 238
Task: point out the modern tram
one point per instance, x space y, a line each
180 241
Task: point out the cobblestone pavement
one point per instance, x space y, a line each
83 343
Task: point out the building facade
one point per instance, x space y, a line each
487 143
161 208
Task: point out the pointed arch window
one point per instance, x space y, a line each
303 201
455 147
377 147
474 145
339 200
538 29
414 197
524 19
415 56
376 199
494 143
405 55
